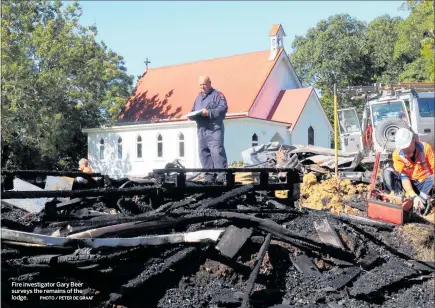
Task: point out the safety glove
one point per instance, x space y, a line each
427 210
419 204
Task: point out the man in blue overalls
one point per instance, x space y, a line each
211 127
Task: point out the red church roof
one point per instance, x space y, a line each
289 105
169 92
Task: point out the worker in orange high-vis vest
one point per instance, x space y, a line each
413 163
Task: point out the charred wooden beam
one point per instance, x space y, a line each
83 239
8 182
234 170
205 204
230 179
68 204
253 276
352 272
109 192
276 204
49 172
365 221
149 273
381 278
181 180
173 205
79 193
261 211
264 179
305 266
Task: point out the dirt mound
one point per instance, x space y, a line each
265 268
244 177
330 194
211 270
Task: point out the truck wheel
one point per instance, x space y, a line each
385 132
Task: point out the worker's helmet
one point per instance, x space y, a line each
403 138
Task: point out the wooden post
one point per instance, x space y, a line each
336 129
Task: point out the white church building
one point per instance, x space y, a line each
266 102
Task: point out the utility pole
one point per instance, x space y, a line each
336 129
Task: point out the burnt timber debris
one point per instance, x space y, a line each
168 241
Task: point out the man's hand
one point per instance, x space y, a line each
419 204
205 112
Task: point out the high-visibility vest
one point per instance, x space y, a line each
420 160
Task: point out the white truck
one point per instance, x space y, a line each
385 111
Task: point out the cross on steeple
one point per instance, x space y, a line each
146 63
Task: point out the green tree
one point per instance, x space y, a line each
382 34
334 51
415 41
56 79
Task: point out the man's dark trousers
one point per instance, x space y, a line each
211 148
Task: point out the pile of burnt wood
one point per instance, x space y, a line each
147 244
307 158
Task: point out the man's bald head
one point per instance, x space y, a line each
83 163
204 84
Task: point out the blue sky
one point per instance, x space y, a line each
177 32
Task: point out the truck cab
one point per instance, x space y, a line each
387 115
383 115
423 116
350 130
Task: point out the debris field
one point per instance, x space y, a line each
167 241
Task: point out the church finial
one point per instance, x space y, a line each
146 63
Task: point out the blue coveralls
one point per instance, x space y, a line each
211 129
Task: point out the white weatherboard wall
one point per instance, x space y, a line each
312 115
238 137
130 165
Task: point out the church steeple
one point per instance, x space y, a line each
276 35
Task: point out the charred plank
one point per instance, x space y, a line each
150 272
305 266
381 277
351 273
232 240
254 273
108 192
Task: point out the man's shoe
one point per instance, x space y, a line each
209 177
221 179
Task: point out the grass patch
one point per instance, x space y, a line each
422 239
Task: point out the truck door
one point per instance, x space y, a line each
350 130
423 116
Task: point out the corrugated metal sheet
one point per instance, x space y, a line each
30 205
318 150
328 161
59 183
